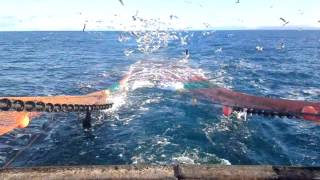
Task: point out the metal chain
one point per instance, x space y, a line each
38 106
270 113
266 113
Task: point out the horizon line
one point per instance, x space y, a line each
235 29
223 28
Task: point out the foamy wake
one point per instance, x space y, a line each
161 74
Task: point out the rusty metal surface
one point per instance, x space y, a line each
226 172
246 172
90 172
162 172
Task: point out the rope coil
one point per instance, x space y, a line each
38 106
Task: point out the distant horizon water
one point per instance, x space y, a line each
267 28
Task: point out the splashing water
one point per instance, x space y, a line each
156 74
164 75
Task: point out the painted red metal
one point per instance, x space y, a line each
229 98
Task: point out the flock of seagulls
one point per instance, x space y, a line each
219 50
285 22
134 17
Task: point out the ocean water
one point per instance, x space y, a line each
153 123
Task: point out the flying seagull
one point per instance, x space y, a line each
173 16
121 2
259 48
134 17
84 27
300 12
285 22
207 25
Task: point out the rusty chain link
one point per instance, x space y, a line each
7 104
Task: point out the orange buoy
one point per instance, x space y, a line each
310 113
227 111
23 120
11 120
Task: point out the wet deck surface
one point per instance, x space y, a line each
162 172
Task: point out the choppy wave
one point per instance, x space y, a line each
153 121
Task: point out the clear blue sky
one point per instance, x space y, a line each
18 15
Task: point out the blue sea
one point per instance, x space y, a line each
155 125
